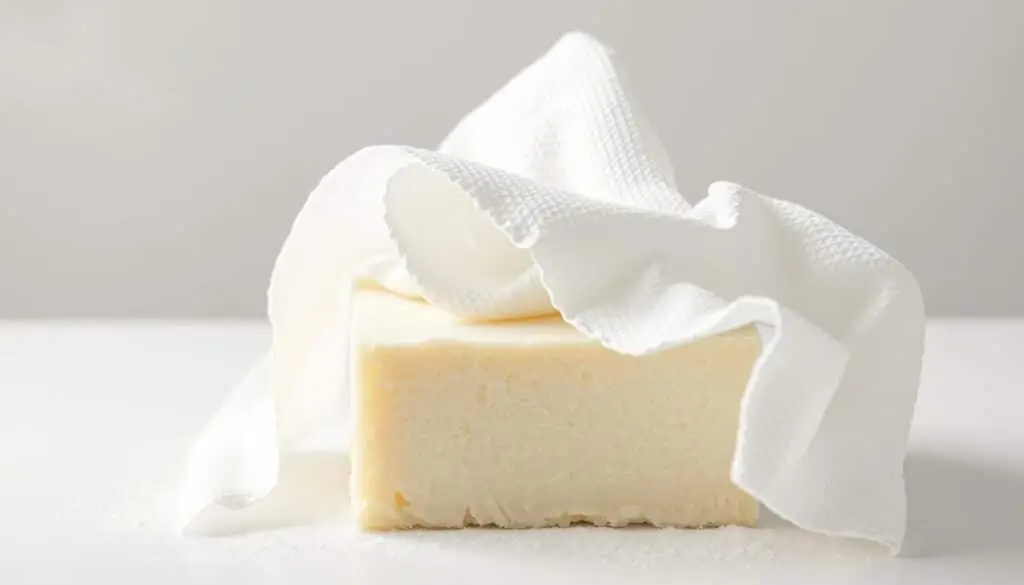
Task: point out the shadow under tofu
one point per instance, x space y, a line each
959 507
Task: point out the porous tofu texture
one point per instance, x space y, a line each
530 424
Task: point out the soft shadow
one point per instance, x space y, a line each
312 489
961 507
768 519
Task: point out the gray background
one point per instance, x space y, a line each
154 154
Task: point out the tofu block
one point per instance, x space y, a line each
528 423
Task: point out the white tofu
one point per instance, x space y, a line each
530 424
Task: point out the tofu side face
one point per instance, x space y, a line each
519 429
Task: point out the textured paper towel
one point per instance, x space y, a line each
556 195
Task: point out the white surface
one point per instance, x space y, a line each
556 193
96 420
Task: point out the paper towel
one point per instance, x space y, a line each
555 195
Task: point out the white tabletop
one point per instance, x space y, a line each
96 419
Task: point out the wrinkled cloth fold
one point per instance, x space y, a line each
553 196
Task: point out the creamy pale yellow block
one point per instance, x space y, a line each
530 424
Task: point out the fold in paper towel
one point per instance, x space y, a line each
556 195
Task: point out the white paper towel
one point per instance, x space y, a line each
556 195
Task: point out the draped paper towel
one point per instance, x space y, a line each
556 195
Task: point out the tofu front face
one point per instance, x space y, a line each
520 432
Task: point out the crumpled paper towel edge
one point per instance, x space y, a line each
240 434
